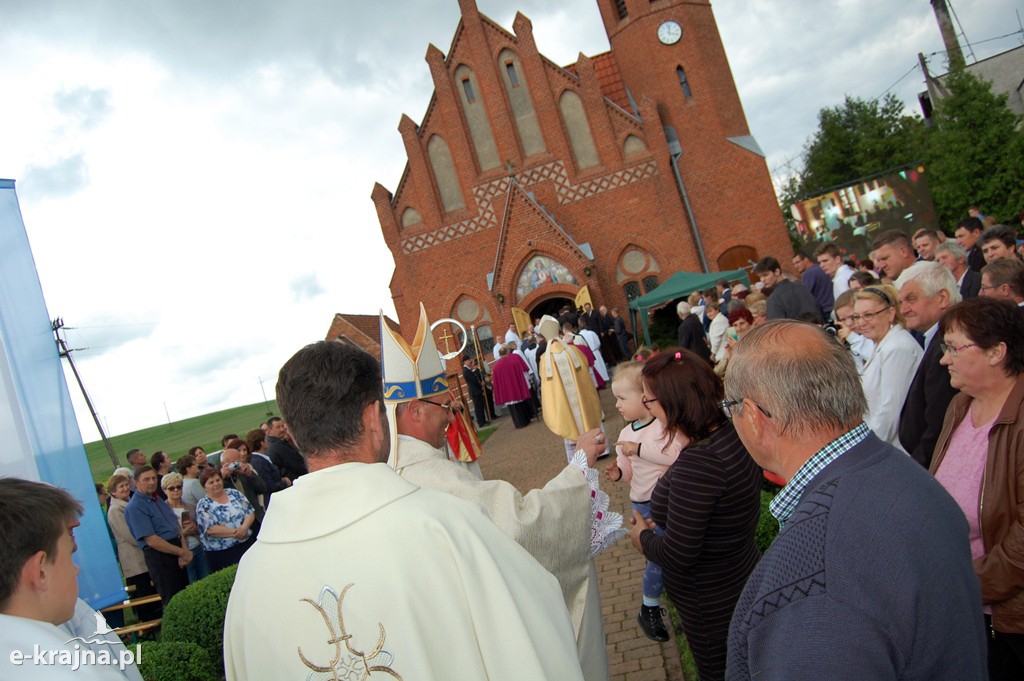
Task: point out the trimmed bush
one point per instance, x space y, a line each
176 661
196 615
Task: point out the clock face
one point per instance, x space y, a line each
670 32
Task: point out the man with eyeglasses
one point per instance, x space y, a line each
926 291
871 575
1003 279
556 524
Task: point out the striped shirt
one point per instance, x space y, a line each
783 505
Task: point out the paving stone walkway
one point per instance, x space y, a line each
531 456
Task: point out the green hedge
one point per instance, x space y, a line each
767 525
196 615
176 661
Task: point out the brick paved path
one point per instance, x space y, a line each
531 456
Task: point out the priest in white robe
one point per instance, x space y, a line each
562 524
360 574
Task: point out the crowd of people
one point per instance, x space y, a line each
885 396
175 522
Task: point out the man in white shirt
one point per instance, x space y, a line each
831 261
39 585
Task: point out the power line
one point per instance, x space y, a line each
888 89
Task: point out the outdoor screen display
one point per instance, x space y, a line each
853 215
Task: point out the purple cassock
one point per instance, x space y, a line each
511 388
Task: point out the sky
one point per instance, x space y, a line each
195 175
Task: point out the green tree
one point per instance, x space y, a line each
975 152
858 138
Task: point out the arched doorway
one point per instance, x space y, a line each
549 306
737 257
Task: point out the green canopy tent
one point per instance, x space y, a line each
680 285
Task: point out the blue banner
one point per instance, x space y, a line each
37 421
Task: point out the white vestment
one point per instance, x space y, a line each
594 343
25 636
358 573
552 523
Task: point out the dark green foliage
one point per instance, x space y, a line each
975 153
176 661
767 525
196 615
861 137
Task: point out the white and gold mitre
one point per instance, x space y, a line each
411 372
549 328
408 372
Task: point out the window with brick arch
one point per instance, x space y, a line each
684 83
632 290
637 271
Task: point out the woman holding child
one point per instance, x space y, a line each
708 504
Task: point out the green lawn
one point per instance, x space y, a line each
176 438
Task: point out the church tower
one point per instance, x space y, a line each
670 51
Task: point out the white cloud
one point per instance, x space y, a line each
195 176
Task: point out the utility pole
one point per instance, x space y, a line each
65 352
266 403
953 51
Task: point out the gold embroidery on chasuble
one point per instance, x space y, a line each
350 664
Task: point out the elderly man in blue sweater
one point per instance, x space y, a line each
870 576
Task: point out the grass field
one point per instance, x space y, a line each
176 438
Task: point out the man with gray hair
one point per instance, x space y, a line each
926 291
691 332
954 257
850 589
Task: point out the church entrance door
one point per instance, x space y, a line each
550 306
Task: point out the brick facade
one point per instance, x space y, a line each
617 225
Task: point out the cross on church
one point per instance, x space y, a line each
509 166
446 337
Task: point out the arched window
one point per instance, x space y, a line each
444 174
684 83
476 116
633 145
522 106
580 139
410 216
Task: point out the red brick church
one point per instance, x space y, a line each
527 180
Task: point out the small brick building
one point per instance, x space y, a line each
527 180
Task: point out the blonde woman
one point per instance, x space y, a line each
129 555
887 375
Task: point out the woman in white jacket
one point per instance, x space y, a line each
887 375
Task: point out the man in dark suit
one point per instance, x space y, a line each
691 332
475 385
968 232
927 290
608 339
284 455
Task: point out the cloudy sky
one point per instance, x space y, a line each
195 175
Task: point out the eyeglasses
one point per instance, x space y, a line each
647 400
172 488
953 350
868 316
987 288
729 408
451 407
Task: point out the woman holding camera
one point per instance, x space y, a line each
225 519
173 485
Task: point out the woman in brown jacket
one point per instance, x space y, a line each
979 459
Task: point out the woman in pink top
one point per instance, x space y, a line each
979 459
644 454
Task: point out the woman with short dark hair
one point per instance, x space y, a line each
979 459
708 503
225 519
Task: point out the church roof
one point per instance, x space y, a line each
608 78
361 329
